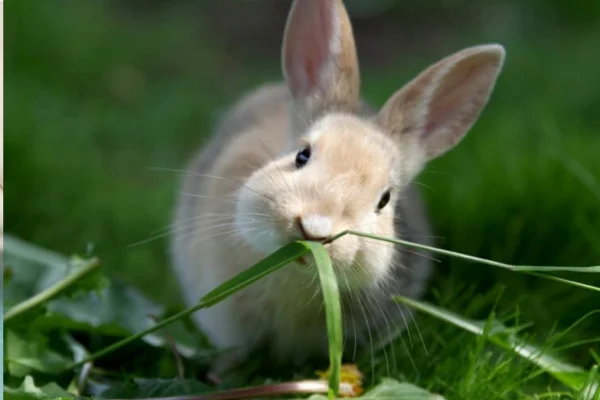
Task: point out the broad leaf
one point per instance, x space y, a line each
32 353
391 389
148 388
26 261
113 310
29 391
278 259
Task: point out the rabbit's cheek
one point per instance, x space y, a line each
254 221
376 258
343 251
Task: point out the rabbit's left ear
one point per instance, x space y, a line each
319 58
432 113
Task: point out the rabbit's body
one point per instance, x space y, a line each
308 159
285 308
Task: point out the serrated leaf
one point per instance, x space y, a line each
25 355
35 269
148 388
114 309
29 391
274 261
96 282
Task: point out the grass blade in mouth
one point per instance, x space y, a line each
276 260
539 271
333 313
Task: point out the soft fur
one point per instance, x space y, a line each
243 196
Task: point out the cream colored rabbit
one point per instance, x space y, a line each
307 159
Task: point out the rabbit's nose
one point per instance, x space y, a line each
315 227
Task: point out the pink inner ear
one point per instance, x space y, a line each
460 97
453 102
306 49
311 71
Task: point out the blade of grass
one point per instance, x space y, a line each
567 281
595 356
333 313
280 258
595 269
592 388
569 374
531 270
276 260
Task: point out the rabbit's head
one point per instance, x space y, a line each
346 172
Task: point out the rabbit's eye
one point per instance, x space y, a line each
385 199
302 157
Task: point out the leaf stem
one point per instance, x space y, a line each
51 292
139 335
277 389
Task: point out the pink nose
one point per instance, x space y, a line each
315 227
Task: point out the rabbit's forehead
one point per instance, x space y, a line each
354 149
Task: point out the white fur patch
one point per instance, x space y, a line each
317 226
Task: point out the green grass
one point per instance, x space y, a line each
95 99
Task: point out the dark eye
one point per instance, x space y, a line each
302 157
385 199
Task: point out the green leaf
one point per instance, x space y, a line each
149 388
333 312
25 355
569 374
73 283
276 260
390 389
29 391
271 263
114 309
35 269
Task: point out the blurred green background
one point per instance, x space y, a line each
100 93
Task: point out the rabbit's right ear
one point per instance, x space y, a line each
433 112
319 59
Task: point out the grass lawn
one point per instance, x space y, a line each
94 99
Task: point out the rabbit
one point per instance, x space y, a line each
305 159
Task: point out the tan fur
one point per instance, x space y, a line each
244 195
449 97
337 85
